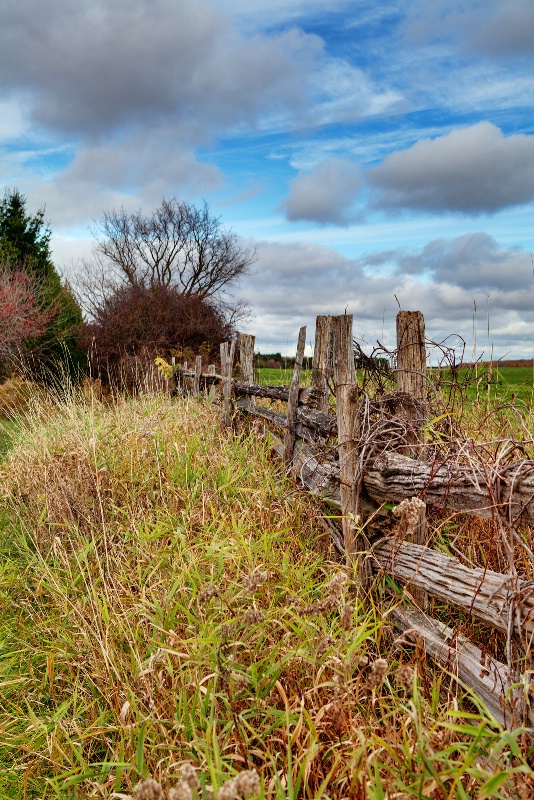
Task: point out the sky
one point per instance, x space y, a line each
376 155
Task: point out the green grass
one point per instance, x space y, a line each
500 385
281 377
8 430
507 384
162 600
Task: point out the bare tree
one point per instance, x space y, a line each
177 245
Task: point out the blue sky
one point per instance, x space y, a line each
373 153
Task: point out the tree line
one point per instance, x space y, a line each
157 283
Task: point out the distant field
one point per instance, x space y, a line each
508 384
281 377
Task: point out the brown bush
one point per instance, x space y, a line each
135 324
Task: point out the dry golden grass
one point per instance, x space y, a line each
167 599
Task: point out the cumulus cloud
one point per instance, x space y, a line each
110 63
324 195
474 261
473 171
496 28
295 282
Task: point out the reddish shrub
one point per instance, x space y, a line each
135 324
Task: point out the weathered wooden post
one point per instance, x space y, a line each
322 359
293 401
411 379
198 373
348 448
246 358
411 361
227 360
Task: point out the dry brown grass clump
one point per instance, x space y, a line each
165 602
17 396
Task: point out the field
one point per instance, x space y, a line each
169 598
500 384
506 384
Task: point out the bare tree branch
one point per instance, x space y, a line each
177 245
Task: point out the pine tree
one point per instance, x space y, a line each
25 246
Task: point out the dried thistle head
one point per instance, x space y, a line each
148 790
379 670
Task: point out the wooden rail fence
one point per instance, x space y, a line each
328 452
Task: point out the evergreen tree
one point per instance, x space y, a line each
25 246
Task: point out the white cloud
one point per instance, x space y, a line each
294 282
343 93
475 170
326 194
496 28
101 65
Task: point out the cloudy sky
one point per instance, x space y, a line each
376 154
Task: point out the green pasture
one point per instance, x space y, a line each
281 377
498 384
501 384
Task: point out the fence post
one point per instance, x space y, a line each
411 359
411 379
348 448
322 359
198 373
227 360
246 359
293 400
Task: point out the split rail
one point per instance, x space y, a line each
332 449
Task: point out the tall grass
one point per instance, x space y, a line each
167 598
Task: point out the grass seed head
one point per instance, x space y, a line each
253 617
379 670
148 790
189 775
206 594
253 581
324 645
347 617
405 676
336 585
182 791
248 783
228 791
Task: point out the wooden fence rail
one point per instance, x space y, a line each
359 483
